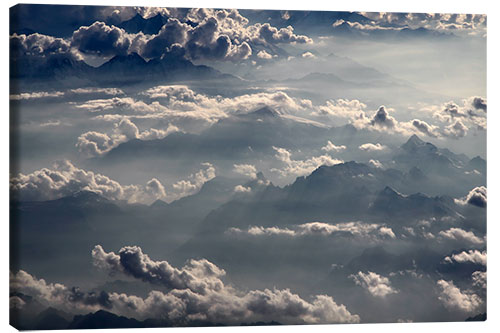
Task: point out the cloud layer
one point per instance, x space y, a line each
247 170
195 181
461 235
301 167
193 34
454 298
453 121
180 106
94 144
476 197
331 147
65 179
461 24
374 283
353 229
473 256
197 291
371 147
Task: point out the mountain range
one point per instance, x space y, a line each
272 127
64 69
215 222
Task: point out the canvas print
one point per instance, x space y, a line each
197 167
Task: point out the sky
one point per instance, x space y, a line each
359 88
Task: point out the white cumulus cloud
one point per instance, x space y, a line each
375 284
301 167
454 298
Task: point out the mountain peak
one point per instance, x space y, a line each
415 140
258 182
416 174
126 58
156 17
133 21
103 319
415 144
478 163
389 191
260 176
265 111
158 204
138 23
477 159
322 76
86 195
137 17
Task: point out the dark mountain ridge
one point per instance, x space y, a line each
131 69
148 26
